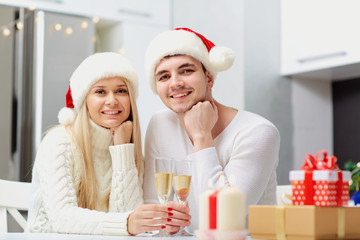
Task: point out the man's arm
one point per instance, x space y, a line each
253 162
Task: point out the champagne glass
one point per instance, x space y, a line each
164 169
182 182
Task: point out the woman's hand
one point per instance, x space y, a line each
152 217
122 134
180 217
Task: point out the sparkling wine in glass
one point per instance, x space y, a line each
163 183
182 182
164 170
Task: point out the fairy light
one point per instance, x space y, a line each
84 25
58 27
19 25
6 32
96 19
121 51
68 31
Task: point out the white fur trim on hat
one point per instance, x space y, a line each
174 42
92 69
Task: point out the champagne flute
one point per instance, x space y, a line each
182 182
164 169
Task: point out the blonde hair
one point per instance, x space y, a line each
80 131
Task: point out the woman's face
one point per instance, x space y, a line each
108 102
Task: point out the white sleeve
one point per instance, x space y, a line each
253 162
53 167
126 192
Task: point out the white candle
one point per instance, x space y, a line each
204 210
230 209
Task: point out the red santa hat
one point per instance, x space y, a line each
184 41
92 69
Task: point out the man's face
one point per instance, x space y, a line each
181 82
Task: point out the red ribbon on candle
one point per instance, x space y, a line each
213 209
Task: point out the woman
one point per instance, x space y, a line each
87 176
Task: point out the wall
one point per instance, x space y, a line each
312 117
266 92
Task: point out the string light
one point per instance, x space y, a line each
96 19
121 51
19 25
16 24
84 24
58 27
6 32
68 31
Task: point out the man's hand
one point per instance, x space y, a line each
199 122
122 134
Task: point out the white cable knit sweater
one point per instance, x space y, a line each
56 178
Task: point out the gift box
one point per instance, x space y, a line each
320 187
320 182
303 222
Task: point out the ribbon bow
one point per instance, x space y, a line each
318 163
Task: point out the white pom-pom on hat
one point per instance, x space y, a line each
184 41
66 115
221 58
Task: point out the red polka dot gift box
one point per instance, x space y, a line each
320 182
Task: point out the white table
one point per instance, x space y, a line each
55 236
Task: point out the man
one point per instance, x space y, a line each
181 66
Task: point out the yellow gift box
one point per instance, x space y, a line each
303 222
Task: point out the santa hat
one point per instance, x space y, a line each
184 41
92 69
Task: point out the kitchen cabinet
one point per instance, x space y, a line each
319 35
155 12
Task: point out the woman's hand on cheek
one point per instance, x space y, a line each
122 134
